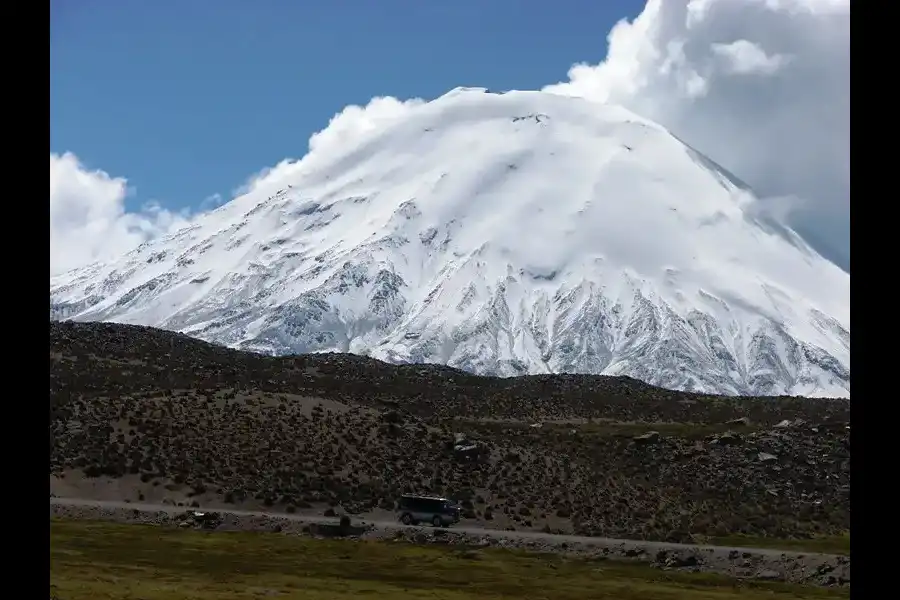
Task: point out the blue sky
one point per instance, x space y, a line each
188 98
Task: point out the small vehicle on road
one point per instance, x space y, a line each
440 512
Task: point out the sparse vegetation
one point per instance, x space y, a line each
169 418
90 560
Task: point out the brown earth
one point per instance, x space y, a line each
146 415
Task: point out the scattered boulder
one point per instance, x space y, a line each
198 519
678 562
345 528
464 447
766 458
651 437
769 575
729 438
392 417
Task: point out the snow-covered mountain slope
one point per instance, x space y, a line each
503 234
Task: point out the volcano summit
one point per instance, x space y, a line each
503 234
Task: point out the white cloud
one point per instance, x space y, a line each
355 121
88 221
760 86
746 58
212 202
351 123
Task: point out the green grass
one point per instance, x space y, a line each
97 561
832 544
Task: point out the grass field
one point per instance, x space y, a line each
97 561
832 544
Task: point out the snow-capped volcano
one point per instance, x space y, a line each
503 234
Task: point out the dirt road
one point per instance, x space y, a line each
551 539
757 563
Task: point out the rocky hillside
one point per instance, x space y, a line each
146 414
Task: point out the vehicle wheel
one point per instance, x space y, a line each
437 521
406 519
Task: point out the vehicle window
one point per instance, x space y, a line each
424 504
